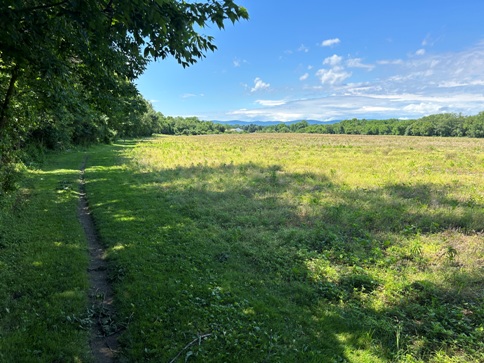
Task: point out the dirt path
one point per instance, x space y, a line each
104 333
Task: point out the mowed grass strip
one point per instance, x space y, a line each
43 262
294 248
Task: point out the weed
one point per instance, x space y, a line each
451 253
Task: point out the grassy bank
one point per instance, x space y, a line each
257 248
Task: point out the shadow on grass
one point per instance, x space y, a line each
43 270
275 266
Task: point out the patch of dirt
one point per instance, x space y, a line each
104 332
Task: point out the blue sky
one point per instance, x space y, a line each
332 60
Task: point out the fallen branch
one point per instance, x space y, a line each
199 339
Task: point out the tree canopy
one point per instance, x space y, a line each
67 66
444 124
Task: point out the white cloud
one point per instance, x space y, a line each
304 77
423 108
330 42
333 76
420 52
270 102
259 85
406 88
336 74
339 107
333 60
357 63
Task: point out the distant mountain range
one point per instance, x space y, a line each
272 123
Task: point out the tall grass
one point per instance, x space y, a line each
296 247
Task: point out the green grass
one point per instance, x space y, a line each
296 248
43 263
288 248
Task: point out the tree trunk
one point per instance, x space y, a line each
8 99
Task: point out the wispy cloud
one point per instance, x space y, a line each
429 41
364 106
409 87
188 95
303 48
237 62
304 77
330 42
270 103
259 85
390 61
357 63
425 41
452 84
262 115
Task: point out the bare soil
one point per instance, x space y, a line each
104 331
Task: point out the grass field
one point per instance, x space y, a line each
267 248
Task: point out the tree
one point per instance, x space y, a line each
80 57
474 125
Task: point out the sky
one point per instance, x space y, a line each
331 60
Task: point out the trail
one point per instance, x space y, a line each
104 333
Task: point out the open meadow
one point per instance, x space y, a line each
260 248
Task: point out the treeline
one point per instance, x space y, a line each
139 119
68 69
136 117
153 122
188 126
446 125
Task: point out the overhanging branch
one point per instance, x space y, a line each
40 7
